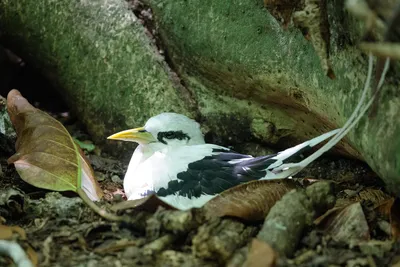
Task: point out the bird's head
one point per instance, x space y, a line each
170 129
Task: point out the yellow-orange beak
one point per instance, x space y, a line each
139 135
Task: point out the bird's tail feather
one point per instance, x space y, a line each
288 169
293 152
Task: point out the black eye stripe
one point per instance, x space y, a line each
161 136
142 131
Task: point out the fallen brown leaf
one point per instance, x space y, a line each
348 225
149 204
47 157
377 197
382 203
261 255
250 201
328 214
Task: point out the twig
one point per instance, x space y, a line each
102 212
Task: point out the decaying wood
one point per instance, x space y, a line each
286 221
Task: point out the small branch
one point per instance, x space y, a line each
102 212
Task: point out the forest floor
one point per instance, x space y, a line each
63 231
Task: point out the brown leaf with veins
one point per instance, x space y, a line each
47 157
348 225
374 196
250 201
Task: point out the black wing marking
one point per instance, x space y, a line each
216 173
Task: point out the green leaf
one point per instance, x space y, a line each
89 147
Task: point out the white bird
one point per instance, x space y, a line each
173 161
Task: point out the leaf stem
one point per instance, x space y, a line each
102 212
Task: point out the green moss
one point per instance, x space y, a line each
99 57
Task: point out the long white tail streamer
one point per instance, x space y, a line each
350 123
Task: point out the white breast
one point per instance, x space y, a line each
152 171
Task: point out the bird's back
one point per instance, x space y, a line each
193 171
